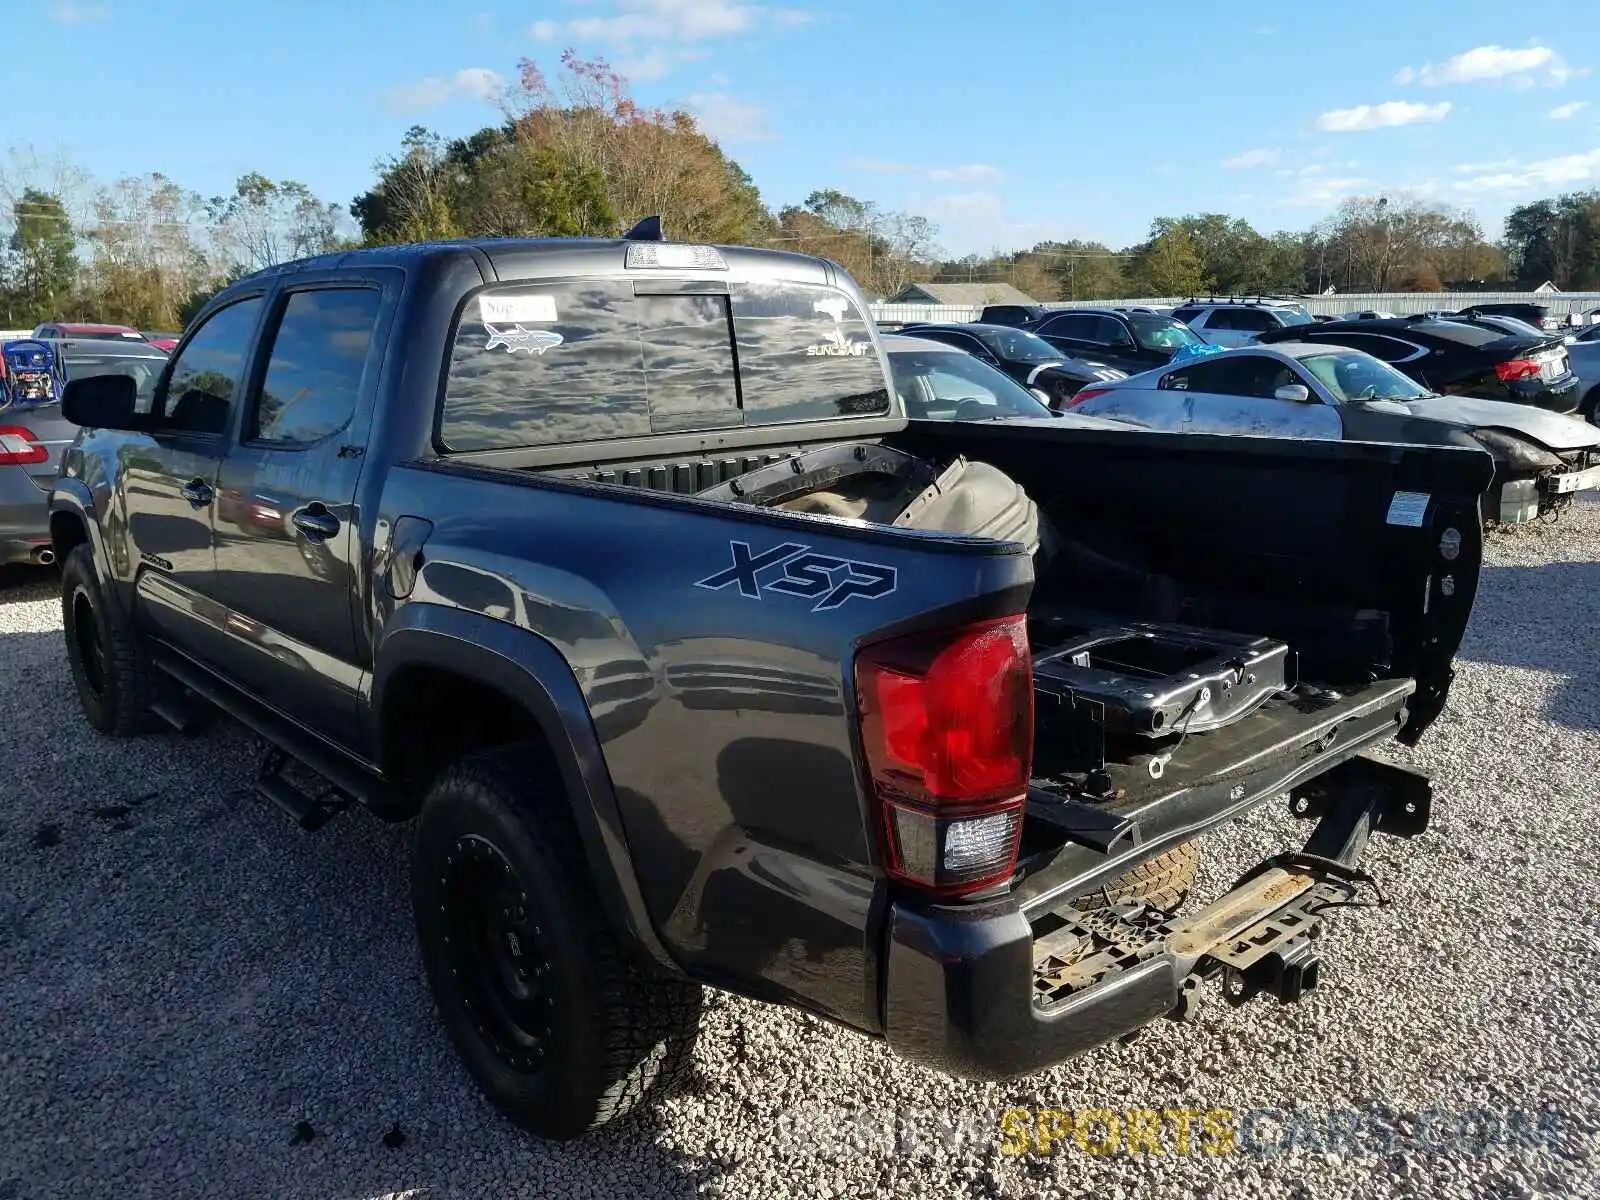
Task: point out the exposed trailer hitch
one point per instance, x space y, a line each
1260 936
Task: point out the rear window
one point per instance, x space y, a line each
1459 331
538 364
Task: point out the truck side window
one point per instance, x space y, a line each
319 354
202 382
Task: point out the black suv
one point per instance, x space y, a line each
1130 341
1457 357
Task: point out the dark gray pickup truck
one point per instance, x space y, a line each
616 565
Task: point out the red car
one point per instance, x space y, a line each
87 331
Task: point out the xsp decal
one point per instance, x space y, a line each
794 570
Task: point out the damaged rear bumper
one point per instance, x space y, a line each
1011 988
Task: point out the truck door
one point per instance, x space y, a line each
287 557
167 486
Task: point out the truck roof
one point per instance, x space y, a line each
520 258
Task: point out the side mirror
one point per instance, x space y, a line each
1294 393
101 402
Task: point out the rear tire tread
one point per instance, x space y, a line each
649 1019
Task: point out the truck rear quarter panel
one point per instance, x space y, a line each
713 646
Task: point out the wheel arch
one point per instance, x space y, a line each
489 658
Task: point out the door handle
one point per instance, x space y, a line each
197 492
316 522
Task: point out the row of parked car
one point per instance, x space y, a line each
33 432
1479 379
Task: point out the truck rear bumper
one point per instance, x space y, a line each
1003 991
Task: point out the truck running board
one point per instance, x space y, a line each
307 811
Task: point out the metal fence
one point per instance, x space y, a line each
1559 304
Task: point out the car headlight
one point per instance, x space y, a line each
1516 452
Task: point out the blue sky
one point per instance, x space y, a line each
1004 123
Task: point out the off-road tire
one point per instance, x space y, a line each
108 659
615 1030
1164 882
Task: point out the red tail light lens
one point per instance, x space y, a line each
947 732
1088 393
1516 368
18 447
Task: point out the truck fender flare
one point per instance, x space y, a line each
531 671
73 497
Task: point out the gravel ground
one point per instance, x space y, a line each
184 978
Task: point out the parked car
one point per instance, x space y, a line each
1308 390
981 684
1236 320
1026 357
33 434
1369 314
939 381
82 331
164 341
1536 315
1458 357
1514 325
1583 354
1011 314
1128 341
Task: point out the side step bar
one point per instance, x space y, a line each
309 812
348 781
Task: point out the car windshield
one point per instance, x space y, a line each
948 385
1293 314
1351 375
1017 345
1162 333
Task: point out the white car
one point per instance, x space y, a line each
1235 321
1298 389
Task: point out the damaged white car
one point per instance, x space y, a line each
1296 389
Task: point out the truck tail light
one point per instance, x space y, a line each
1088 393
18 448
1515 368
947 734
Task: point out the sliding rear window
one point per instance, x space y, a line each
538 364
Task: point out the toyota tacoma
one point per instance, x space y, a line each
616 567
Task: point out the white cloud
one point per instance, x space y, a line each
1499 164
1379 116
656 21
1318 190
1252 158
469 83
726 118
69 12
1492 62
967 173
1564 111
1544 175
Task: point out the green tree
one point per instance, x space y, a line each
41 273
1170 264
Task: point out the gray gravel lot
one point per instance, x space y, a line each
184 977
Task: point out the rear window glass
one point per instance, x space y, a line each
547 363
1458 331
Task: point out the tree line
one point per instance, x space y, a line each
579 156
